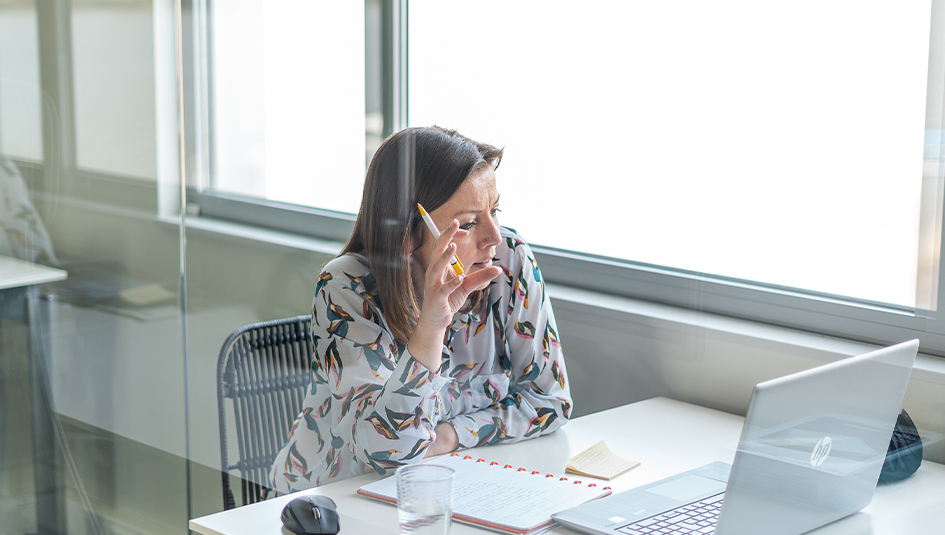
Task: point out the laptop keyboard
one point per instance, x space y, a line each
695 518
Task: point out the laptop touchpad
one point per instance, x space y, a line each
687 488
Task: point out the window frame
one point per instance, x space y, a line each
814 312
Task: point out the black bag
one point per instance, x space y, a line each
905 451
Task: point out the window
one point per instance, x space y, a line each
103 128
777 161
21 134
114 123
745 139
288 97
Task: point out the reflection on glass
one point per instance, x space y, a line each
92 414
113 55
20 123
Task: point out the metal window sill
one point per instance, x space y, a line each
740 331
257 234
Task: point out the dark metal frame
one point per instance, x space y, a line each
264 370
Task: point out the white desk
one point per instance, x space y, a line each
667 436
15 273
19 298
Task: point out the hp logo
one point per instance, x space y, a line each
821 451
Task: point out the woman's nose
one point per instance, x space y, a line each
492 237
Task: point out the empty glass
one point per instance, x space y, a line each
424 499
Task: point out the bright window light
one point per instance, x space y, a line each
779 142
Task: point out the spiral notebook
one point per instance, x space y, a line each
501 498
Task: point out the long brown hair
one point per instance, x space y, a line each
423 165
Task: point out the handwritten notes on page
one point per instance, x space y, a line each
598 461
501 497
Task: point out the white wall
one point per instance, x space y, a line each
621 350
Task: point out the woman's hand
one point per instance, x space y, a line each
444 293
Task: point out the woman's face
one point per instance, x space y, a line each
475 205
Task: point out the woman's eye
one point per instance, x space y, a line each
495 212
466 226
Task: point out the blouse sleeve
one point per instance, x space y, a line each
383 404
539 398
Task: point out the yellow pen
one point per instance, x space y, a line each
457 265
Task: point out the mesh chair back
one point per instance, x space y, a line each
263 370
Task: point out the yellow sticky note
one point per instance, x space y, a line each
145 295
598 461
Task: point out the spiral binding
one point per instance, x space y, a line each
520 469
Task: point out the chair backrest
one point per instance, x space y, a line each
263 369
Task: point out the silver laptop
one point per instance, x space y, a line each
810 453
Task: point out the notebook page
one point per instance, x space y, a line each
504 496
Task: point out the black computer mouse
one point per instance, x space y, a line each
311 515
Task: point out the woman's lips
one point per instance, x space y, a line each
483 265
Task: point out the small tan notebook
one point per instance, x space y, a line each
598 461
147 294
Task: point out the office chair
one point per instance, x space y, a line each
264 369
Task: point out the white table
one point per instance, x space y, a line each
19 298
15 273
666 436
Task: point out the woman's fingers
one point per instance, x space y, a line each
440 269
450 233
445 239
453 284
473 280
442 282
453 231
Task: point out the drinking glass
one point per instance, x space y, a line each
424 499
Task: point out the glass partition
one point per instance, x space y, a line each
92 415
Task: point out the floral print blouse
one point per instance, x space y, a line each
22 233
370 405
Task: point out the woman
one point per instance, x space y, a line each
412 360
